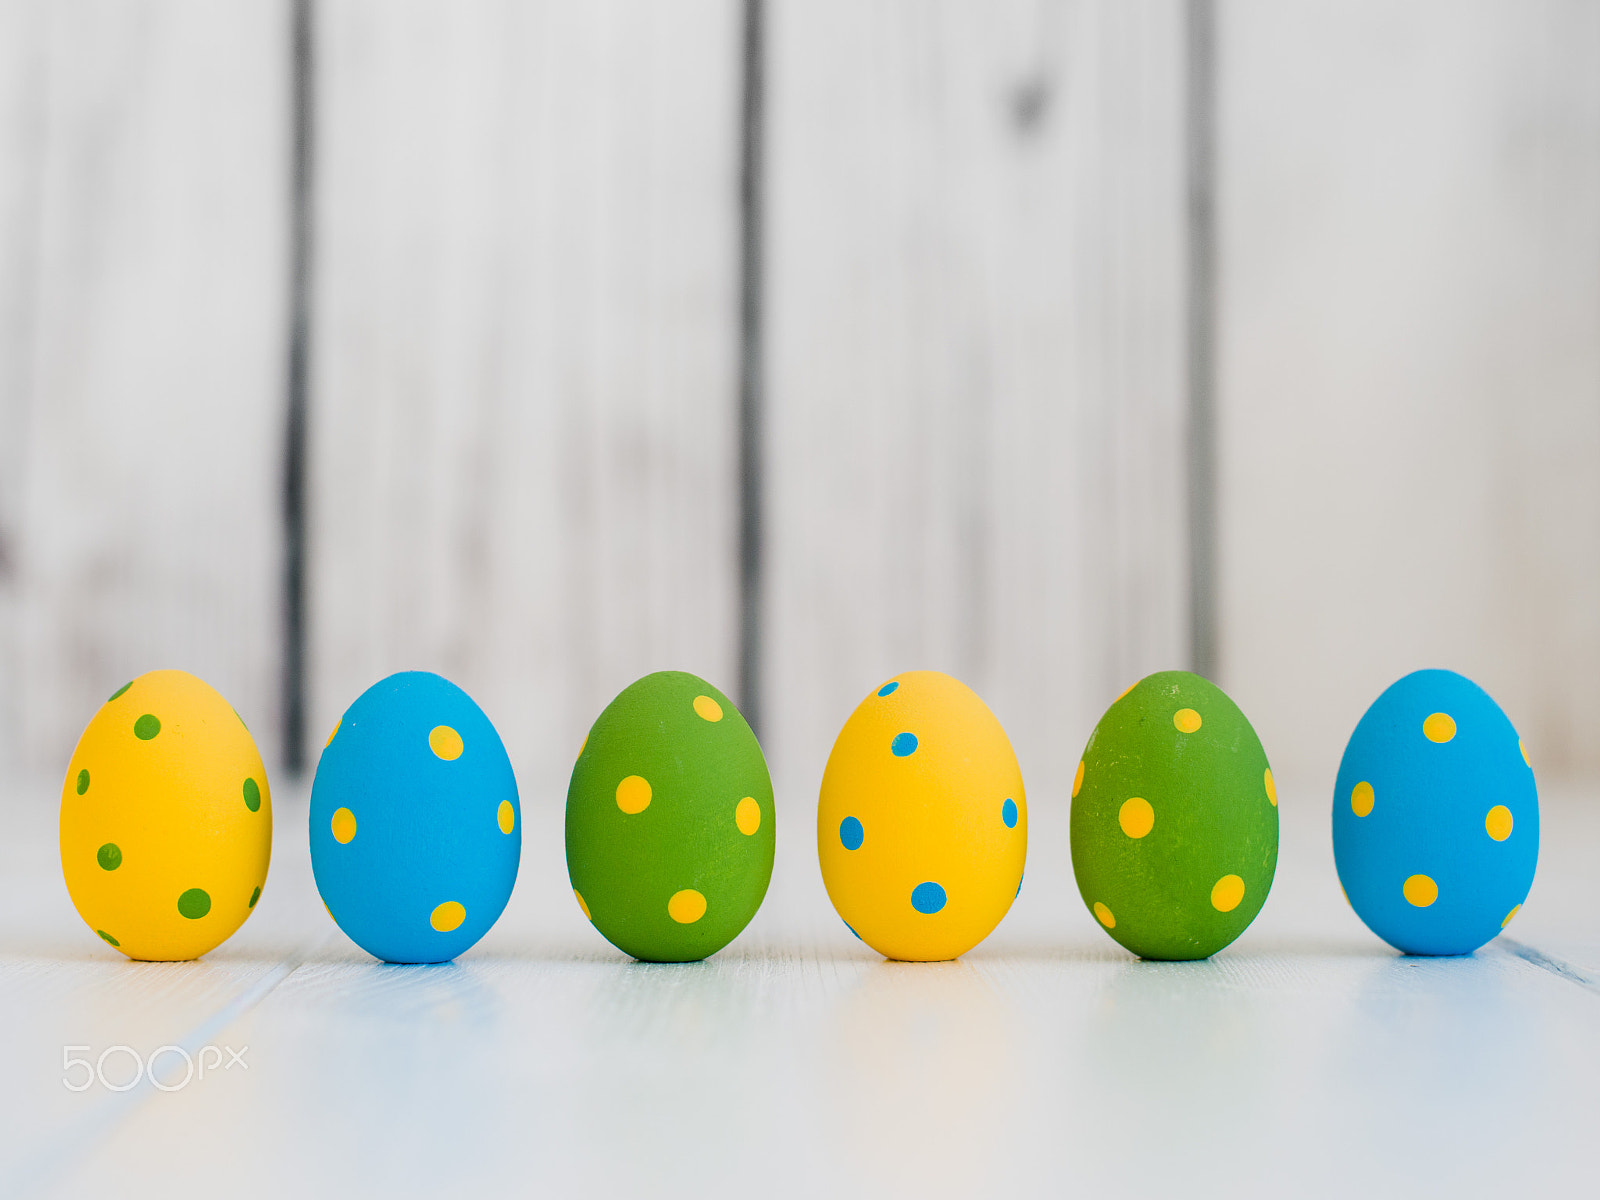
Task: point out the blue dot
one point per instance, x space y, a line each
1019 884
903 744
1008 813
851 833
927 897
888 687
852 929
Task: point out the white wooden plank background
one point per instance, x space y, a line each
144 341
1410 372
976 363
523 451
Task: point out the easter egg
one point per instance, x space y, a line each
1435 816
416 831
166 819
1174 819
670 822
922 824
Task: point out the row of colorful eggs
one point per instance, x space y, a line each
922 821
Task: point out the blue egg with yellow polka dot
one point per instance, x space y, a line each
416 832
1435 816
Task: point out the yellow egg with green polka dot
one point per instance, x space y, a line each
670 823
166 819
922 823
1174 819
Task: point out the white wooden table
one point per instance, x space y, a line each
1307 1059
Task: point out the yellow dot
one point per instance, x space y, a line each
686 907
1186 720
1527 760
445 742
1362 798
747 815
1227 893
1272 788
344 826
448 916
1420 890
1123 693
633 794
1136 817
1440 727
340 722
1498 823
1509 915
1077 780
507 816
1101 912
708 708
585 745
582 905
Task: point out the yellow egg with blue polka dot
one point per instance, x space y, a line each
416 830
922 824
166 819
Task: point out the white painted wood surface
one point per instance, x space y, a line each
524 472
1410 372
143 228
1307 1059
975 363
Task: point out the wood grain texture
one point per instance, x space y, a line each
1410 250
975 349
524 470
143 314
1306 1058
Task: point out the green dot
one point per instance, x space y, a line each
241 719
83 781
109 856
252 795
254 896
109 699
146 727
102 932
194 904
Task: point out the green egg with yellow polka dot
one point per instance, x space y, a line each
166 819
670 822
1174 819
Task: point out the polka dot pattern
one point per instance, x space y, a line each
83 782
1362 798
146 727
578 896
1439 727
1008 813
904 745
343 826
1227 893
119 692
686 907
633 795
1509 915
109 856
927 898
252 795
506 817
1102 913
886 690
747 816
707 709
445 743
1077 780
1136 817
1186 720
1420 891
254 896
1272 788
194 904
109 940
447 917
851 833
1435 817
